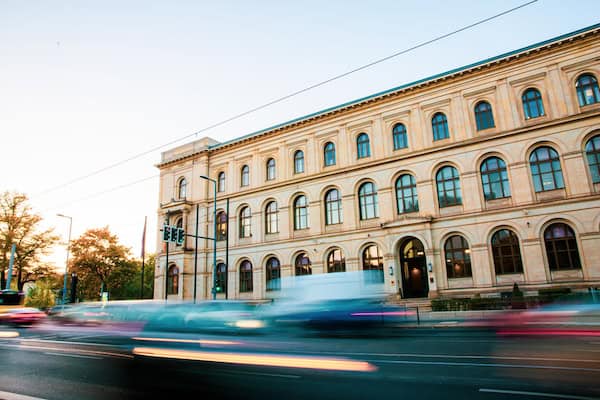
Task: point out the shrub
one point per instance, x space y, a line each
40 296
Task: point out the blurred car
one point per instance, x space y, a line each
208 316
22 316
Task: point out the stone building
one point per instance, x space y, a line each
456 184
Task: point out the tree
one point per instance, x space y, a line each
100 261
131 288
20 226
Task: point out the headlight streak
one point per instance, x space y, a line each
269 360
198 341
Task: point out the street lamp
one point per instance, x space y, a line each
214 288
64 293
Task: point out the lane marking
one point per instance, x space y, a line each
265 374
494 365
596 361
71 351
15 396
538 394
71 355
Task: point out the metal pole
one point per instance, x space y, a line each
196 251
143 259
215 241
64 293
13 249
227 252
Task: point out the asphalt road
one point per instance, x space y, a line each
428 363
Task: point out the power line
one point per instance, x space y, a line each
283 98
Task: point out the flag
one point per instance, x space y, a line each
144 238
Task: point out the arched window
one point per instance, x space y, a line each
458 257
507 254
273 274
245 178
587 90
271 169
399 135
533 106
298 162
561 247
336 261
592 152
333 207
545 169
221 182
221 283
303 265
363 147
372 260
246 277
448 187
329 154
222 225
300 213
484 118
245 222
271 218
406 194
182 189
173 279
494 178
367 201
439 125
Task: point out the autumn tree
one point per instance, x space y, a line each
19 225
100 261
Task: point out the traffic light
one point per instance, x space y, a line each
180 236
166 233
173 234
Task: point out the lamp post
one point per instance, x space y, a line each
214 239
64 293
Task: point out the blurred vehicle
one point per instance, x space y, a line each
11 298
340 302
21 316
566 319
208 316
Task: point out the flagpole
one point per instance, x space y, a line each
143 258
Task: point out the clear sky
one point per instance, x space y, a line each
84 84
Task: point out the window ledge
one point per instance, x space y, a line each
567 274
451 210
510 278
498 203
549 195
458 283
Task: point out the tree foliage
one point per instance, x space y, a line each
42 295
21 226
100 261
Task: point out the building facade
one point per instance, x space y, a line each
457 184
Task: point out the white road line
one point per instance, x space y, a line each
15 396
538 394
72 355
288 376
494 365
596 361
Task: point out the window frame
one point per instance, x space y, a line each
462 247
580 88
336 264
181 187
363 146
368 207
245 176
300 213
495 176
368 263
439 126
401 199
271 169
304 268
173 280
272 272
536 99
271 218
299 162
222 276
484 115
221 182
570 247
399 136
443 197
329 155
507 253
333 207
222 225
246 277
536 166
592 157
245 223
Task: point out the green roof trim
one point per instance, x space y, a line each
407 85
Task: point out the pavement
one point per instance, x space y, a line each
422 363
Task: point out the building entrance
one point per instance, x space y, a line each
413 265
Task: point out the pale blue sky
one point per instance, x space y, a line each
84 84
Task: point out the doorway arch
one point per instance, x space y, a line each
413 268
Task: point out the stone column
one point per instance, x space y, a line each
480 266
590 257
533 262
575 173
426 195
519 183
470 192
